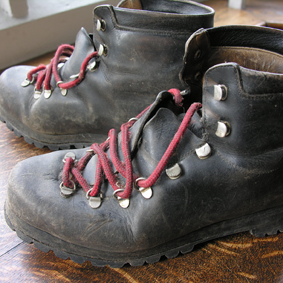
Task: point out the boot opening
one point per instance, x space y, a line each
250 58
131 4
174 7
203 51
165 6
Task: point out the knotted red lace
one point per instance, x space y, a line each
43 74
103 166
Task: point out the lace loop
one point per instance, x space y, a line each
43 74
124 168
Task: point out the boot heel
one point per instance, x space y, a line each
260 233
271 223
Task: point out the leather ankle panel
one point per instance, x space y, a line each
249 115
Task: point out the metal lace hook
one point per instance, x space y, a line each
27 82
66 192
94 202
146 192
124 202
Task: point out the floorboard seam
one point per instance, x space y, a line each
7 252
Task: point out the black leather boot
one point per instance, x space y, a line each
135 51
174 177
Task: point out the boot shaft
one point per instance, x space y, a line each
242 99
148 40
110 76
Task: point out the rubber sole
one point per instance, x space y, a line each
53 142
260 224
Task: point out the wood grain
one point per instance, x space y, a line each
237 258
257 11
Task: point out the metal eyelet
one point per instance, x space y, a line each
37 93
174 172
27 82
198 76
64 91
124 202
102 50
61 64
223 129
58 83
47 93
92 66
185 92
66 192
94 202
204 151
220 92
100 25
132 119
75 76
69 154
145 192
197 54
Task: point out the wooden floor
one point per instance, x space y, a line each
237 258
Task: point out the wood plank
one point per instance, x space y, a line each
25 263
237 258
267 11
12 150
256 11
237 4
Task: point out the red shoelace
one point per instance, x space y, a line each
72 171
42 74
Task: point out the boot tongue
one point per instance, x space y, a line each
163 99
136 132
157 128
83 47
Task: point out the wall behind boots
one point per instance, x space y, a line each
29 28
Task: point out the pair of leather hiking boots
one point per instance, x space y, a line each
196 164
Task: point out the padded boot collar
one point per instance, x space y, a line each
243 36
200 47
169 16
130 4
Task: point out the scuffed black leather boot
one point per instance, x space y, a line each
174 177
135 51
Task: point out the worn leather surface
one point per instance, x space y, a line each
237 188
144 56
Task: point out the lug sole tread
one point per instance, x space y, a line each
51 146
201 236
